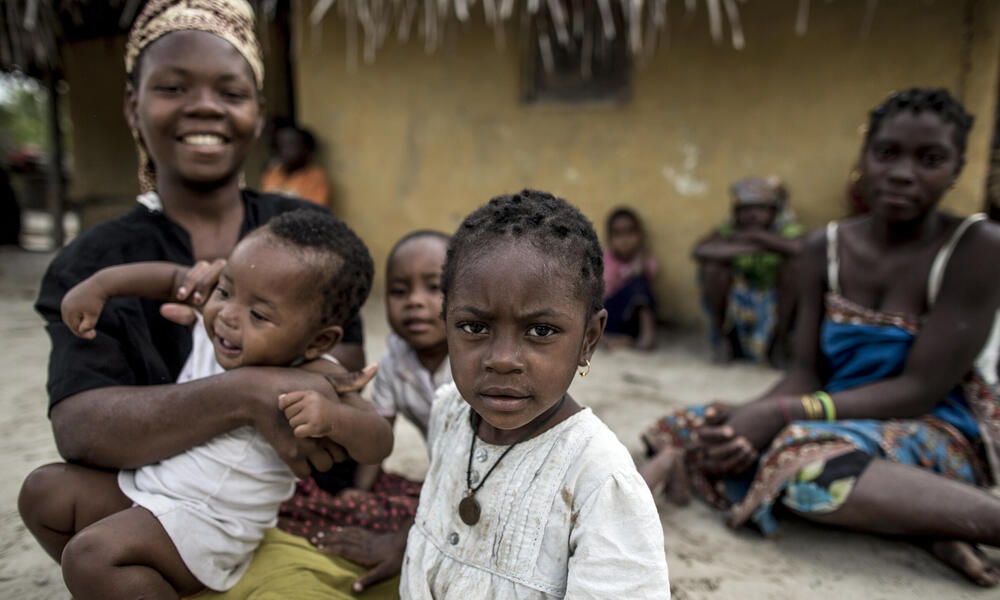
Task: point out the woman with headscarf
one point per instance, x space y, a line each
194 105
744 271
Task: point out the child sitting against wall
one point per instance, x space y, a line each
528 493
194 520
628 280
745 273
292 172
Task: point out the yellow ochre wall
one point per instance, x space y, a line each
419 140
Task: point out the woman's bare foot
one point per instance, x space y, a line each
967 559
667 467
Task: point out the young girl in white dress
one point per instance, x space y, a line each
529 495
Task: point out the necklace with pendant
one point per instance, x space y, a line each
468 509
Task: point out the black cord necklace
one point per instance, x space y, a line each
468 509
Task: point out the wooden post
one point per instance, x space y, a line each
56 196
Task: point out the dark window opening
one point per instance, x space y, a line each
572 54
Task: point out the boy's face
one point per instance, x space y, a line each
413 292
260 313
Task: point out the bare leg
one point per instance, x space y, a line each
716 280
667 467
896 499
126 555
58 500
647 329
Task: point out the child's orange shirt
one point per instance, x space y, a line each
308 183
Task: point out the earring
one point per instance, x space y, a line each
855 175
585 372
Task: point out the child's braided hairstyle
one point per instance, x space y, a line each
917 100
340 260
550 224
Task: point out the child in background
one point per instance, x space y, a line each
528 494
414 366
628 280
744 269
292 172
193 520
416 362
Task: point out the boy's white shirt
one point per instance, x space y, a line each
403 386
564 514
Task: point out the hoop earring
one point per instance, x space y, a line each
585 372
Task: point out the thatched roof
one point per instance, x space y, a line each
31 30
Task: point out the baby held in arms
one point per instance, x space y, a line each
194 520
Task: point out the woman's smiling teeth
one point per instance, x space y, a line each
203 139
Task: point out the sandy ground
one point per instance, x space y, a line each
707 560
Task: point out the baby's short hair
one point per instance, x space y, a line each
543 220
343 266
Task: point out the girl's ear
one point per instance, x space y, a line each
592 335
324 340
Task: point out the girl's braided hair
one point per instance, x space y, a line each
550 224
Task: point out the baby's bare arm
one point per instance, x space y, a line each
81 306
347 418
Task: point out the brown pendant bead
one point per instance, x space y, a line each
468 510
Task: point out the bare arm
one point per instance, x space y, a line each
130 426
769 240
350 422
952 335
365 476
715 247
82 305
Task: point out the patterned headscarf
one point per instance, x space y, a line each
758 190
769 190
231 20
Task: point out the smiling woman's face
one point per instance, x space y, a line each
196 106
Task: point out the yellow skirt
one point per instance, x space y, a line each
286 566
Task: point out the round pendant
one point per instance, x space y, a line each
468 510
